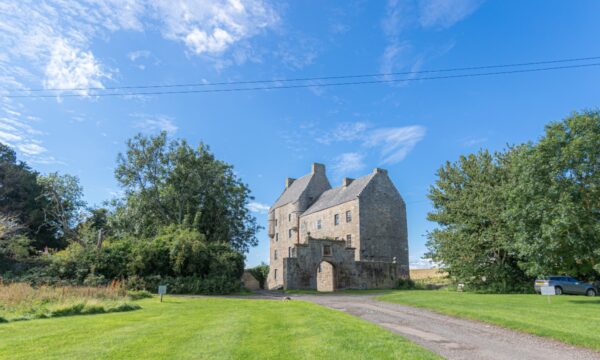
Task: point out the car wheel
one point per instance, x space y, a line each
590 292
558 290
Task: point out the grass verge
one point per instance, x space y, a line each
208 328
571 319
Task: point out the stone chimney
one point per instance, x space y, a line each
289 182
379 171
318 168
346 181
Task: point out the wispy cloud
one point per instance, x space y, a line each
473 141
259 208
445 13
395 143
422 263
154 123
348 163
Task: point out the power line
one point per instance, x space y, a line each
296 86
313 78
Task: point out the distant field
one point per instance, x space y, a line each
207 328
570 319
418 274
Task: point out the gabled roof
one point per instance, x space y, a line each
340 195
293 192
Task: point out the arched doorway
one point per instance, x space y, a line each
325 277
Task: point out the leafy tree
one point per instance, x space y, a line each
554 203
170 183
20 199
63 197
260 273
469 199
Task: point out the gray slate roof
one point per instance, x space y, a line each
340 195
293 192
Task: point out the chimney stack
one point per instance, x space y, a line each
289 182
318 168
347 181
379 171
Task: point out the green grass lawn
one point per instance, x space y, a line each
570 319
207 328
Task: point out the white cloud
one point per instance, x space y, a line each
468 142
445 13
154 123
347 163
70 67
138 54
422 263
31 149
395 143
259 208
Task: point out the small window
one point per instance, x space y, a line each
319 224
336 219
348 216
275 255
290 233
289 252
275 274
275 222
326 250
349 240
290 217
276 236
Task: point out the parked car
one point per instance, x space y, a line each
565 285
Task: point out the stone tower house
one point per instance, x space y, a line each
351 236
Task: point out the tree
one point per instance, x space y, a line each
64 204
469 200
20 198
170 183
554 199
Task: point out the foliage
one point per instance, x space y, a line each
200 328
139 294
20 200
170 183
260 273
405 284
570 319
534 209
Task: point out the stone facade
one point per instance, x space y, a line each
351 236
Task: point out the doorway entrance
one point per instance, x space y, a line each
326 277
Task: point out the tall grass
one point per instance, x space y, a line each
20 301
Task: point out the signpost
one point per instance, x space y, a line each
162 289
548 291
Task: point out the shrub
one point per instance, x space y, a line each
405 284
260 273
3 320
139 294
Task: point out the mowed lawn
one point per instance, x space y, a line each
570 319
207 328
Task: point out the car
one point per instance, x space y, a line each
565 285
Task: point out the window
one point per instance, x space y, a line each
275 255
289 252
319 224
348 216
290 217
276 236
275 274
349 240
275 222
326 250
336 219
290 233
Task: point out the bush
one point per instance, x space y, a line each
3 320
139 294
405 284
260 273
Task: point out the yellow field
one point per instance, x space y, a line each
418 274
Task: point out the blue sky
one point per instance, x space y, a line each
410 128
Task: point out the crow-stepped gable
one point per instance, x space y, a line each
350 236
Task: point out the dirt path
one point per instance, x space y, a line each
450 337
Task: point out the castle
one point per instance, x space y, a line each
350 237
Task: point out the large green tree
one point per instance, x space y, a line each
170 183
554 203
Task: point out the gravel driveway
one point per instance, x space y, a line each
450 337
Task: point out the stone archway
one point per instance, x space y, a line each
326 277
